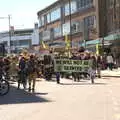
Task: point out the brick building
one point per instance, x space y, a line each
86 22
56 20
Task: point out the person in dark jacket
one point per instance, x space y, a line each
58 77
98 66
22 73
32 65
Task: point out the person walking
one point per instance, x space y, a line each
13 69
22 73
99 64
110 61
32 72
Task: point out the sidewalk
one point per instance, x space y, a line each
109 73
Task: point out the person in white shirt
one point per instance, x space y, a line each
110 61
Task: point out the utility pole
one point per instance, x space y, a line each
9 41
70 16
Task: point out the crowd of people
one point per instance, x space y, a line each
26 69
99 62
20 69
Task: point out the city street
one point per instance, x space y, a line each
67 101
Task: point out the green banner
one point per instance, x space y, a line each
68 65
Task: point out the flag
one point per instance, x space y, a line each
44 45
67 42
97 49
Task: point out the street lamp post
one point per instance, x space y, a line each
70 16
9 24
9 41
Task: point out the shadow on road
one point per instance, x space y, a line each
21 96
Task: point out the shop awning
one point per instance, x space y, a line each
112 37
99 40
92 42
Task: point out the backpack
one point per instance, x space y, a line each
30 67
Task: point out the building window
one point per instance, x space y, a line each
75 27
46 35
57 32
23 42
41 36
111 3
42 20
56 14
48 18
91 21
66 28
73 6
67 11
40 23
84 4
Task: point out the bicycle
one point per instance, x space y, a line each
4 85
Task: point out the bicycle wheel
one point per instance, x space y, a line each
4 87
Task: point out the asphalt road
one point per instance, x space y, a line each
67 101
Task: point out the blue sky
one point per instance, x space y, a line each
23 12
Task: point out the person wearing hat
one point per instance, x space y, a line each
32 72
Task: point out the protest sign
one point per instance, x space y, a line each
69 65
